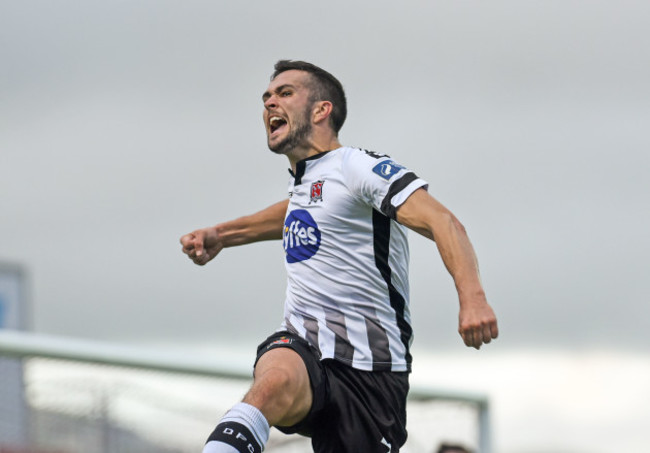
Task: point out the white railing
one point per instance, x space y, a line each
30 346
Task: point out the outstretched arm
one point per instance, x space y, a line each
424 214
204 244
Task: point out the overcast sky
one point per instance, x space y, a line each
124 125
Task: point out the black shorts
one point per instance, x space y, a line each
353 410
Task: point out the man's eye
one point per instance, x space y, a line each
285 93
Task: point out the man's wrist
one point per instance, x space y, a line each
471 296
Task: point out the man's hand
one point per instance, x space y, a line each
202 245
477 323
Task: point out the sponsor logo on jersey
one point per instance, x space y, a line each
387 169
316 192
301 236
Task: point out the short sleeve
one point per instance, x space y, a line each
379 180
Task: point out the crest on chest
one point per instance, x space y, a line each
316 191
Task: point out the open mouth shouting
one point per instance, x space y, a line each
276 123
284 135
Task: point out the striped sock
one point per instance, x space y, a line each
242 430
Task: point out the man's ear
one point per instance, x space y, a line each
322 110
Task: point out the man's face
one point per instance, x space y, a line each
287 111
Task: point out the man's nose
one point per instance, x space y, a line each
270 102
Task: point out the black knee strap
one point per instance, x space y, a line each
237 435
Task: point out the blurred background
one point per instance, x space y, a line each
124 125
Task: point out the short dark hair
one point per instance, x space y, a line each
324 87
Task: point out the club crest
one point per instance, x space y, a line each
316 192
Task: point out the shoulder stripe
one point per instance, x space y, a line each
395 188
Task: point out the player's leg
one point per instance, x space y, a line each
280 396
281 389
242 430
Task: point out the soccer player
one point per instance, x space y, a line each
337 369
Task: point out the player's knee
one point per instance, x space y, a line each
280 394
280 385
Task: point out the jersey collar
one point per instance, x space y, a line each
301 166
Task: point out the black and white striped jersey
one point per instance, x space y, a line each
347 258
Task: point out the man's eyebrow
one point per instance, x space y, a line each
278 89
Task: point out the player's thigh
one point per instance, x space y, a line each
281 388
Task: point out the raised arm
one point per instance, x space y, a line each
204 244
424 214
